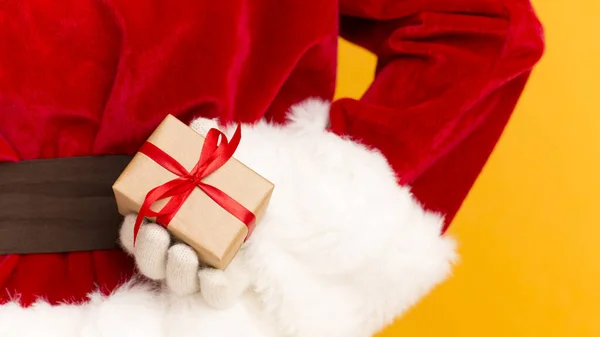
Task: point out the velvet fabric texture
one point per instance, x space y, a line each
92 77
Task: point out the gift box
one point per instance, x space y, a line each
213 213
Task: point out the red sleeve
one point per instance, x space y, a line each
448 77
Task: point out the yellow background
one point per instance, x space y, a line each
529 232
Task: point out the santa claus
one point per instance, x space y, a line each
355 232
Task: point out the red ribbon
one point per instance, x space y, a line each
214 155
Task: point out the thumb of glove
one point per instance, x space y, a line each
222 288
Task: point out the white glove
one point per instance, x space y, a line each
159 258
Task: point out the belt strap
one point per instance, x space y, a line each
59 205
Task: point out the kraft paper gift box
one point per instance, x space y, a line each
214 233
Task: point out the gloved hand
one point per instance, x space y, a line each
159 257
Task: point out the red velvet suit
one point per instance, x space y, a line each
95 77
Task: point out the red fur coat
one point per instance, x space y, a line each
92 77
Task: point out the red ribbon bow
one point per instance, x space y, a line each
214 155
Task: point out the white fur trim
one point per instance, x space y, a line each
341 252
310 115
132 311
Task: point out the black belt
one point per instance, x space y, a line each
59 205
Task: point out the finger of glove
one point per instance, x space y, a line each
182 269
126 233
222 288
150 251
